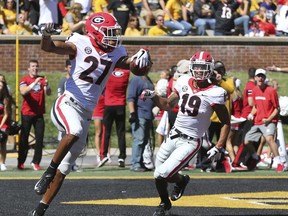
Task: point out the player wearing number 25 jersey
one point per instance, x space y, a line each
197 99
93 58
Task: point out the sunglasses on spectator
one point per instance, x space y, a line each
132 20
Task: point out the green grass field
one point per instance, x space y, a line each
51 131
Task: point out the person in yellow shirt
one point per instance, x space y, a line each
159 29
176 18
228 85
20 28
72 22
100 6
133 28
9 14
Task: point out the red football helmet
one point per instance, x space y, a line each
201 65
104 29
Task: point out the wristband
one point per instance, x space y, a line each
278 69
219 146
32 85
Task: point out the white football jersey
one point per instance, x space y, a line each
195 106
90 70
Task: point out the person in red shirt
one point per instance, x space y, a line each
97 117
33 88
246 126
115 110
265 114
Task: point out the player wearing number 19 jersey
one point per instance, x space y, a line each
93 58
197 99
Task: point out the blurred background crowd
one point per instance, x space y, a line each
250 18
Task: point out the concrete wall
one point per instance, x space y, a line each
238 53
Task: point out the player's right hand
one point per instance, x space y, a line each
147 94
213 151
48 30
142 58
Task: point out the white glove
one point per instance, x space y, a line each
147 94
48 30
155 111
213 151
142 58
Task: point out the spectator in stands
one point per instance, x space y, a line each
151 9
133 28
282 20
159 29
270 10
9 15
138 5
141 119
122 10
100 6
264 23
204 15
48 12
175 18
73 21
254 30
5 118
20 28
97 116
33 88
224 15
242 17
115 111
31 10
265 114
254 7
86 6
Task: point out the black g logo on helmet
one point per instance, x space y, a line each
98 19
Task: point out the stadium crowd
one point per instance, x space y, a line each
250 18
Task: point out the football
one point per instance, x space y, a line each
139 72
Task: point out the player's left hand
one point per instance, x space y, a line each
147 94
142 58
213 151
48 30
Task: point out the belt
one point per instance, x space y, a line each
180 134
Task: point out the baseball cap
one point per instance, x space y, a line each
260 71
182 67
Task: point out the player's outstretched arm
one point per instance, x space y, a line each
58 47
224 118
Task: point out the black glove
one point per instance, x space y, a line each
132 117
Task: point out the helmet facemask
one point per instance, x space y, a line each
201 69
111 36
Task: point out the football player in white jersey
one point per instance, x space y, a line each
93 58
197 99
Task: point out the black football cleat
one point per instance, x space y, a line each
178 190
42 185
33 213
162 209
